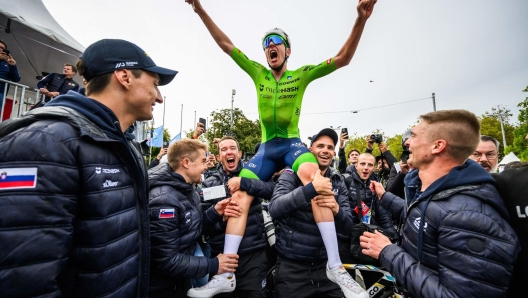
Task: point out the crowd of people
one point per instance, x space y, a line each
83 215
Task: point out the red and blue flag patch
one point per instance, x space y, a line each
16 178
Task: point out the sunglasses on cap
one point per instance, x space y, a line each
276 40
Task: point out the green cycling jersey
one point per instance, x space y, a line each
279 102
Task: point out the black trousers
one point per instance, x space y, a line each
250 276
294 279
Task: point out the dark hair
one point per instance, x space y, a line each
353 150
74 69
97 84
2 42
484 138
516 165
228 138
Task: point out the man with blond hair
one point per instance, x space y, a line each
456 239
176 222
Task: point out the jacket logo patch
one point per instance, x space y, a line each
417 223
99 170
16 178
110 183
166 213
336 191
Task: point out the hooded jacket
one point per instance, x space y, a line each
456 238
254 236
175 228
82 230
298 237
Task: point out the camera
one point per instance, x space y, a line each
405 156
372 228
376 138
6 51
269 227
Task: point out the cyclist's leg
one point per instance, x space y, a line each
305 165
261 166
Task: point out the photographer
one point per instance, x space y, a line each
253 262
8 71
385 155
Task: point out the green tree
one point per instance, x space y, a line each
247 132
490 126
520 144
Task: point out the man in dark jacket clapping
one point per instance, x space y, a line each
456 238
176 222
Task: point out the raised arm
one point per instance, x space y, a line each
221 39
364 8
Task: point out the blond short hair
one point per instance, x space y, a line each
459 128
186 148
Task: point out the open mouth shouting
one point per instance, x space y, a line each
274 56
231 162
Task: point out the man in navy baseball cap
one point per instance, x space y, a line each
107 55
325 132
89 183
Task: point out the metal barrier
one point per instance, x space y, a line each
17 101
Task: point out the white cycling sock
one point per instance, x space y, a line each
328 232
232 242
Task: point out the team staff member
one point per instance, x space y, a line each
81 183
56 84
176 222
457 241
253 263
302 268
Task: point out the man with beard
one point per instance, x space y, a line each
302 257
456 240
253 262
487 153
279 97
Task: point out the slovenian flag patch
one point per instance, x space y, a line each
17 178
166 213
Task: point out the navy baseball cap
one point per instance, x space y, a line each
325 132
107 55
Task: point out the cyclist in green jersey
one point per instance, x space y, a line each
280 95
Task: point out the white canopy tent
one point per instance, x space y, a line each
510 157
36 41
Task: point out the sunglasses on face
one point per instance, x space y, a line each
276 40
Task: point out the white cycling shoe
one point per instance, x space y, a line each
218 284
348 285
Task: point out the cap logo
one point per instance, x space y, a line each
147 54
126 64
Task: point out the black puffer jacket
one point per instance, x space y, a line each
456 239
175 227
298 237
82 230
254 236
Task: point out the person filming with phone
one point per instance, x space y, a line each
8 71
353 155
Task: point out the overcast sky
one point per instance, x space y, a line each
473 54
